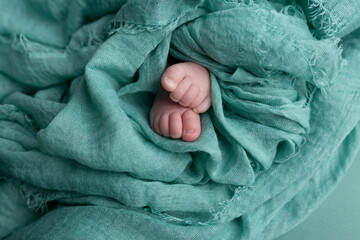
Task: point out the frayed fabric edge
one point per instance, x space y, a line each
134 28
218 213
324 22
37 199
327 28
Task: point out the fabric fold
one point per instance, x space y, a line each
76 93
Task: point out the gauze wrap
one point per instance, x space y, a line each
78 159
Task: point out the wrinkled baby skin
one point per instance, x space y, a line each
185 92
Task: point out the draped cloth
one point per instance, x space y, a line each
78 159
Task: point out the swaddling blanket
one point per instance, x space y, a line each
77 83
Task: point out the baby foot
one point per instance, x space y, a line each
189 85
170 119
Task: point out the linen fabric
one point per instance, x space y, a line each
78 158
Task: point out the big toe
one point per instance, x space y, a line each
191 126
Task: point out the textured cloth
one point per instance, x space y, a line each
77 83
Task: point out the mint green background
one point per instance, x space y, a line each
338 218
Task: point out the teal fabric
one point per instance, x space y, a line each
77 82
331 18
338 216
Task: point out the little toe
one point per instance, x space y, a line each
189 96
156 124
164 125
197 101
172 76
175 125
204 106
180 90
191 126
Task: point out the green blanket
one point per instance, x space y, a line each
78 159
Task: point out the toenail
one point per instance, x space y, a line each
171 83
189 131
